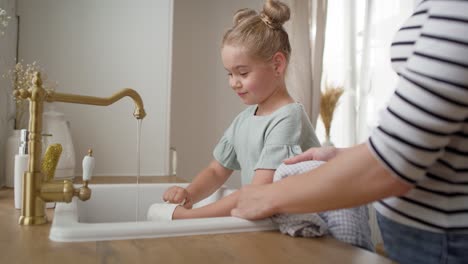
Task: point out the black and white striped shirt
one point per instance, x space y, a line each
423 133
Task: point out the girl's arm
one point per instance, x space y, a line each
354 177
208 181
224 206
205 183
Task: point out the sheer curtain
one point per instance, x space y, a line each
306 31
356 56
376 78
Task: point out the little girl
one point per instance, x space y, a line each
255 53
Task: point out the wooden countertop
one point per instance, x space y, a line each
30 244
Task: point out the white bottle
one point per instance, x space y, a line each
11 151
21 165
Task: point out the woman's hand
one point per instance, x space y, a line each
253 203
178 195
323 154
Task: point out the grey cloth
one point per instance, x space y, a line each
302 225
347 225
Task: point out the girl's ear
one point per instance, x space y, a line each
279 62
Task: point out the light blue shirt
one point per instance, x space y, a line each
262 142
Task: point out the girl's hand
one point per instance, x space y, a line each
178 195
323 154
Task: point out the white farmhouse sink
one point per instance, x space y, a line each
110 214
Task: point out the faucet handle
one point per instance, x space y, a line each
84 193
88 166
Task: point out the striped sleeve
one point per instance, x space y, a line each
430 103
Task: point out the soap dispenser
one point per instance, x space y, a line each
55 124
21 165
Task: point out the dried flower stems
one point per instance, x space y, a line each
328 102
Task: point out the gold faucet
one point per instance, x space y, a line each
37 190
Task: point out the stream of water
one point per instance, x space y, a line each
139 122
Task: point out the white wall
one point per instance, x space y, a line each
7 61
97 48
203 105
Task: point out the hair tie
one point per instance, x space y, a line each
266 19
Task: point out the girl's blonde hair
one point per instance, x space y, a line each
261 34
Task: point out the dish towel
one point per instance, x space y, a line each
348 225
301 225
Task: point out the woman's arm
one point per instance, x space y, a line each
223 206
354 177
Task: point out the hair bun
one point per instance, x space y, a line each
242 14
275 14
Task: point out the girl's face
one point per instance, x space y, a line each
254 81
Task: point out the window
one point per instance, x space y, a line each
357 57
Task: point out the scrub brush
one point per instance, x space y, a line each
50 160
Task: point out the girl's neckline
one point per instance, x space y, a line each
274 112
